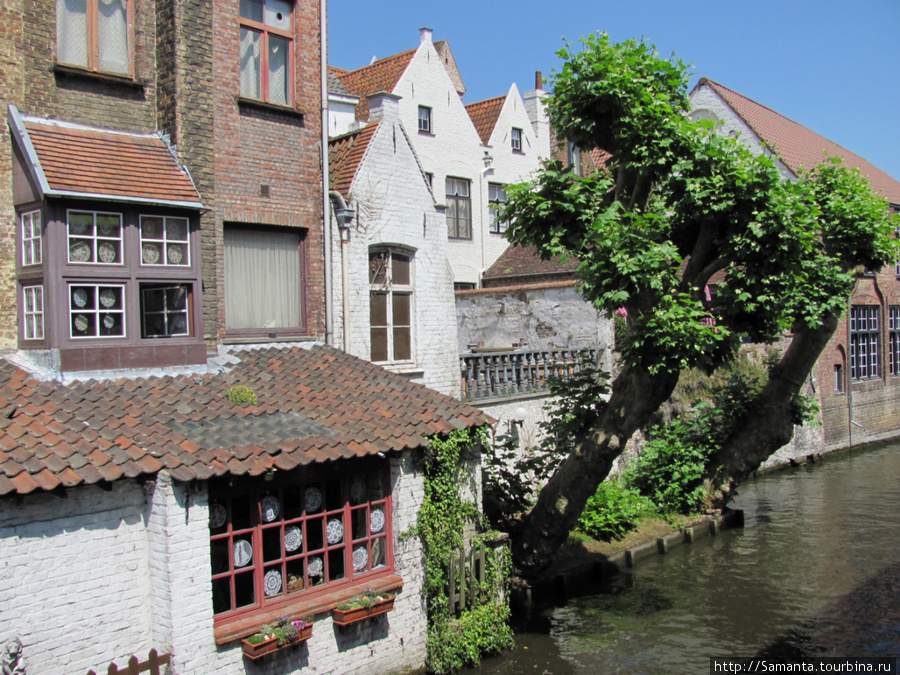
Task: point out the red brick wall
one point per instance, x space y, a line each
873 402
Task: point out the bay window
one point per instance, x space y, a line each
95 34
33 312
266 50
320 529
31 238
96 310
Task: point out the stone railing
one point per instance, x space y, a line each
495 374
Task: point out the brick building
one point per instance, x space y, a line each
181 456
857 377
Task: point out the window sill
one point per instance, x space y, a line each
408 369
264 105
78 71
236 629
426 133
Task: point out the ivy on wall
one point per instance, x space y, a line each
458 641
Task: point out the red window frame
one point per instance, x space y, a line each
93 39
265 30
340 501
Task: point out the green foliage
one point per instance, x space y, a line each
613 510
241 394
455 642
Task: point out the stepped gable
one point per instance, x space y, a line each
314 405
799 147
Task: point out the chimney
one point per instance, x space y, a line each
424 35
538 80
384 106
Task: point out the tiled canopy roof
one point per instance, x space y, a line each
382 75
344 155
314 405
797 146
484 116
80 160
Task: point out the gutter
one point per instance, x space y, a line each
326 204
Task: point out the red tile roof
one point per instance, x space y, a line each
382 75
523 265
108 163
797 146
344 155
484 116
313 405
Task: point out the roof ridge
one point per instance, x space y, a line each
487 100
378 62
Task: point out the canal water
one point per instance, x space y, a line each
815 571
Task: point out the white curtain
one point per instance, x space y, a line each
262 279
71 32
250 63
112 30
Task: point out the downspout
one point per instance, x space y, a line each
326 204
488 170
344 215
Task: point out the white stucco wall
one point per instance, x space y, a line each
394 206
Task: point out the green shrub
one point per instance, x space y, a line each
241 394
612 511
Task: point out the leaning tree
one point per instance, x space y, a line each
674 205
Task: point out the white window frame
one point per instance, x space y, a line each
164 249
33 312
515 139
94 240
390 288
425 120
496 199
96 311
865 342
456 200
31 238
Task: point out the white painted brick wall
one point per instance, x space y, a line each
74 581
395 207
77 574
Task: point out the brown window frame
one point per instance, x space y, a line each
265 30
93 41
274 332
271 553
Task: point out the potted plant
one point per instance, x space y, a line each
272 637
362 606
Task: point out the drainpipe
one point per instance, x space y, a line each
326 205
344 215
488 170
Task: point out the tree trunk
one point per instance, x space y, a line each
770 423
636 395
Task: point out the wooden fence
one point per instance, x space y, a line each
134 667
466 587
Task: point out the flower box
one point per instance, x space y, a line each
271 645
345 617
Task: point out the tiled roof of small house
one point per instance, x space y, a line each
82 160
344 155
314 405
484 116
797 146
523 264
382 75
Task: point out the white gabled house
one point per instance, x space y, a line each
392 273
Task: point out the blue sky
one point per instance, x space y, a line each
831 65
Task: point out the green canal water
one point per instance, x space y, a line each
815 571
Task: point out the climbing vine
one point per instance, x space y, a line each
444 520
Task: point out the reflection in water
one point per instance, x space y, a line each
813 572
